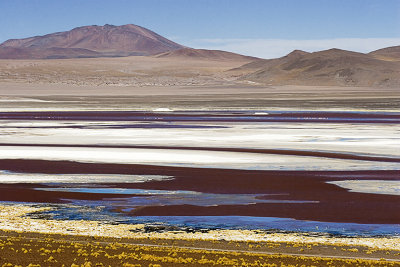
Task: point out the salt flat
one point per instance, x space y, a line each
203 159
154 150
14 178
371 186
372 139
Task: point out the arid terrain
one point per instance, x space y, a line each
164 70
190 80
166 63
329 67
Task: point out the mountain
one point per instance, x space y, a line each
8 52
333 67
264 63
89 41
328 67
204 54
389 53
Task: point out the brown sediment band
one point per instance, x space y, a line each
335 204
196 114
216 116
304 153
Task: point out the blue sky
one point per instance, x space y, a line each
265 28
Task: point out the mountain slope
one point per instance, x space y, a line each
329 67
389 53
265 63
107 40
50 53
204 54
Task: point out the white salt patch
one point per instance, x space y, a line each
377 139
12 178
189 158
162 109
9 99
386 187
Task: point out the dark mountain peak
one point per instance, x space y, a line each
297 53
335 52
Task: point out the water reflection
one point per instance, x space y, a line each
270 224
145 197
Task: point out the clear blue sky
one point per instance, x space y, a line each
192 21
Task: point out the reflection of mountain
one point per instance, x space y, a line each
329 67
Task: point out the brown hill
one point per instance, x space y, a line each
389 53
329 67
204 54
264 63
107 40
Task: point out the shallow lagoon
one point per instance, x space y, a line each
168 137
272 224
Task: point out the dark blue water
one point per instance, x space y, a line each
101 213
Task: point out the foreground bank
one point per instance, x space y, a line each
25 240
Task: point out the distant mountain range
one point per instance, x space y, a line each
329 67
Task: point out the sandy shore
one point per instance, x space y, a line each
26 241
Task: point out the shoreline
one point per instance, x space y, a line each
14 219
36 241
